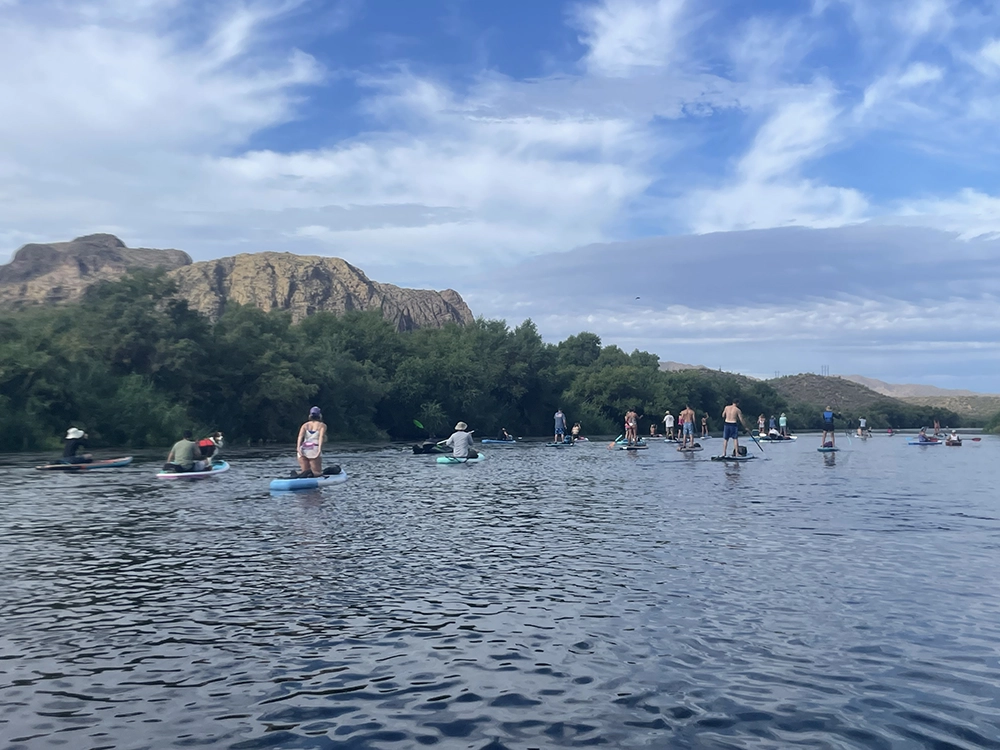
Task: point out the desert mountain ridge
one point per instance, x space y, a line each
61 272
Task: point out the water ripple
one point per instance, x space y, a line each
539 599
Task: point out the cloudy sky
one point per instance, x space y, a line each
784 184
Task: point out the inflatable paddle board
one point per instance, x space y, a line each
453 460
217 468
307 483
110 463
824 449
737 459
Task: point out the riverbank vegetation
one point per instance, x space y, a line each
134 366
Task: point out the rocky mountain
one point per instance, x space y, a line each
62 271
308 284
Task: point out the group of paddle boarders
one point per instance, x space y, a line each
775 428
685 422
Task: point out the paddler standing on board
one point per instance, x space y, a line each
828 416
732 418
560 428
687 416
668 425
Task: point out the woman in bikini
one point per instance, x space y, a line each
309 445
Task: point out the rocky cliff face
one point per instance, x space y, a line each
309 284
62 271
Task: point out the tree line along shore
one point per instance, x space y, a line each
133 365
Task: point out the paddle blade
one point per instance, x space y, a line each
418 425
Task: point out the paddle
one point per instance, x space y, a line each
750 433
848 433
418 425
614 442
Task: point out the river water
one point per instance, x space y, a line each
544 598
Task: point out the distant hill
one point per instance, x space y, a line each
909 390
976 407
820 391
808 394
679 366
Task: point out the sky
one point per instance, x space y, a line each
775 186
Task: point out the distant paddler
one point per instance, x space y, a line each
560 426
668 424
732 418
460 442
828 416
184 456
309 445
75 440
688 417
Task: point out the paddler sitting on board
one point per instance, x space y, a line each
75 440
504 435
183 456
575 432
460 442
732 418
309 445
828 416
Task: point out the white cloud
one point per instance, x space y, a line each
989 56
768 189
626 35
885 92
970 213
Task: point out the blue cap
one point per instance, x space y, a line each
315 410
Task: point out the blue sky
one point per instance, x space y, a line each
498 148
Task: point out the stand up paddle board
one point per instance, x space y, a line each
453 460
307 483
737 459
217 468
110 463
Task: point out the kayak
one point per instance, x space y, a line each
453 460
640 447
491 441
823 449
738 459
953 442
790 439
217 468
925 442
110 463
308 483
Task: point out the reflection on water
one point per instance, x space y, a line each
539 599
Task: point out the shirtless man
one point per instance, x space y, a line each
732 418
687 417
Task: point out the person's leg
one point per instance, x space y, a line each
316 466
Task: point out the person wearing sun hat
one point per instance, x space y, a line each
461 442
309 445
75 440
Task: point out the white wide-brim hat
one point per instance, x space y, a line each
461 426
74 434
